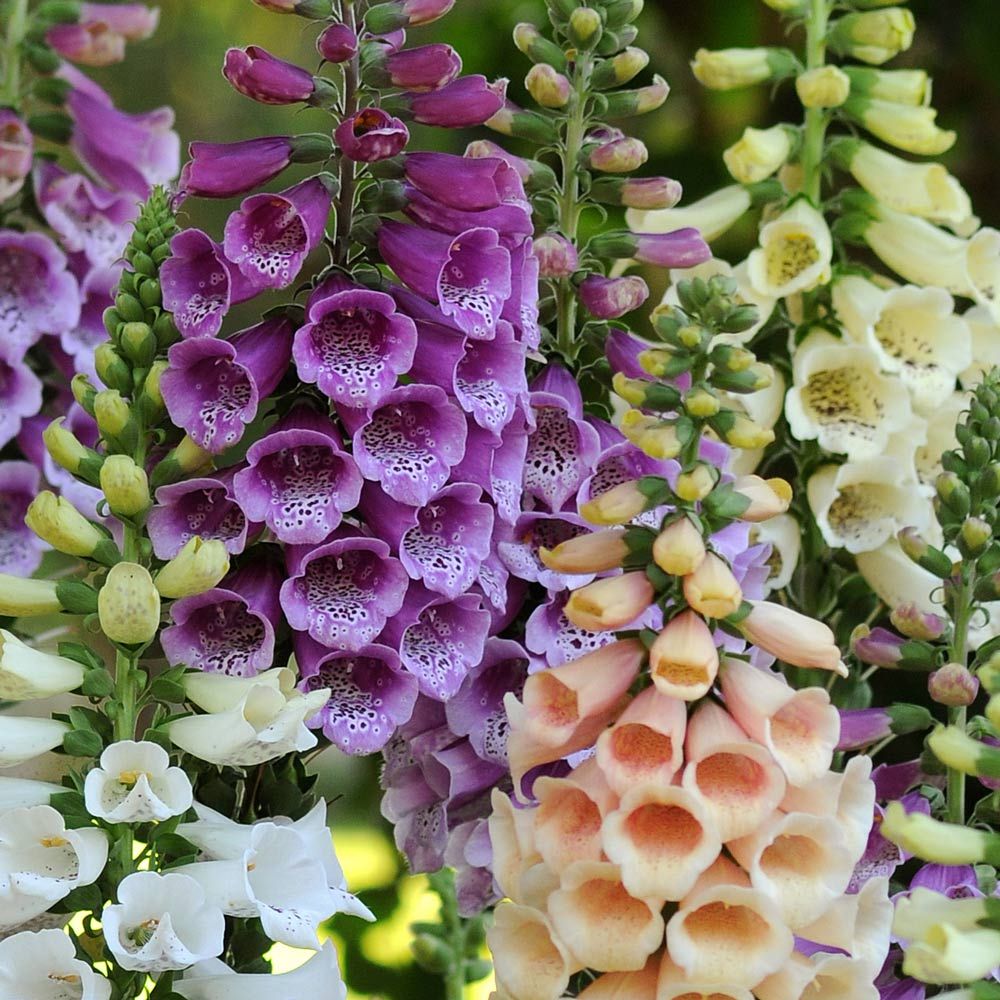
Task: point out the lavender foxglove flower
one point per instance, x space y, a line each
255 73
410 443
622 351
609 298
17 148
510 219
370 694
355 345
619 463
224 169
229 629
20 548
20 396
271 235
97 291
87 43
463 103
469 185
521 307
370 135
469 852
468 275
200 284
213 388
426 67
37 293
203 508
298 480
518 548
128 152
342 593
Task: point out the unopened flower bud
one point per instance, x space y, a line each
557 257
83 392
742 432
138 343
514 121
22 597
954 494
900 86
337 43
150 402
695 484
112 369
645 394
187 460
595 552
923 553
823 87
645 193
532 43
63 446
700 402
128 605
679 549
548 87
585 27
973 537
726 69
621 12
712 590
112 412
758 153
657 438
732 358
609 298
56 521
619 156
622 503
663 363
198 567
387 17
953 684
611 603
768 498
873 36
786 6
619 69
917 624
125 486
877 646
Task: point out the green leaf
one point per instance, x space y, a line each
168 690
98 684
83 743
79 653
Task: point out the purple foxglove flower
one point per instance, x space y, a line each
617 464
88 43
17 148
230 628
200 284
88 218
20 548
337 43
467 184
439 641
623 350
298 480
20 397
521 307
557 257
893 781
269 237
422 833
370 135
477 711
442 544
953 881
469 852
463 103
991 783
563 447
681 248
511 219
355 345
255 73
224 169
370 694
410 443
417 12
424 68
485 149
533 531
609 298
135 21
342 593
97 290
462 775
880 646
128 152
469 275
213 388
37 294
197 508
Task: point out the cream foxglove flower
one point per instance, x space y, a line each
529 958
985 345
136 784
23 738
794 254
42 965
711 216
27 673
162 922
317 977
219 692
222 839
909 127
897 579
278 879
861 505
19 793
758 153
841 398
822 974
42 862
783 535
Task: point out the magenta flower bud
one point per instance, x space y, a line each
622 351
862 727
17 149
877 646
304 8
609 298
89 43
134 21
337 43
466 184
425 68
387 17
917 624
681 248
370 135
483 148
463 103
255 73
557 257
953 685
637 192
619 156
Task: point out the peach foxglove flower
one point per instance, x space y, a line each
531 962
712 215
43 965
42 862
792 637
512 836
822 974
27 673
162 922
22 738
673 983
794 255
610 603
683 659
712 590
768 497
136 784
679 549
639 985
595 552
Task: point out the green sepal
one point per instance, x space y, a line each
77 598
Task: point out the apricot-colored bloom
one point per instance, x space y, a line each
712 590
792 637
679 549
530 962
683 659
595 552
611 603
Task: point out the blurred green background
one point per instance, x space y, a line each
957 41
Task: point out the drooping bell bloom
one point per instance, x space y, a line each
466 184
271 235
224 169
255 73
511 219
370 135
609 298
370 695
134 783
792 637
426 67
213 388
683 659
20 547
463 103
489 379
17 147
196 508
134 21
355 345
610 603
32 961
529 958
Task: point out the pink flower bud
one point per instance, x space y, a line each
609 298
917 624
619 156
548 87
89 44
953 685
557 257
134 21
792 637
16 150
337 44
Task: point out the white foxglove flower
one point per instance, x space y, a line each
136 784
19 793
861 505
27 673
218 692
794 254
23 738
985 345
902 449
711 216
782 533
262 725
42 965
318 977
42 862
278 879
221 839
897 579
162 922
841 398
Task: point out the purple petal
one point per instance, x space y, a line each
20 548
196 508
489 379
533 531
20 397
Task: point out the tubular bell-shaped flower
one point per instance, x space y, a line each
135 784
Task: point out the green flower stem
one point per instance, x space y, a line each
17 27
569 203
816 118
345 198
443 883
961 612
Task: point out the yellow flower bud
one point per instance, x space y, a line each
654 436
63 446
112 412
585 27
823 87
745 433
758 153
190 457
125 485
873 36
712 589
128 604
899 86
701 403
618 506
725 69
151 387
696 484
56 521
198 567
632 390
548 87
679 549
21 598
